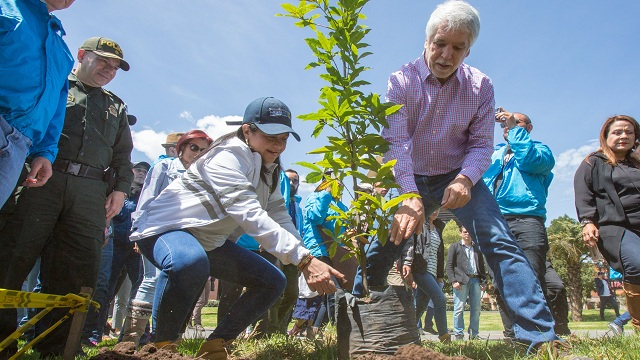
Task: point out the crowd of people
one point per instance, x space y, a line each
227 209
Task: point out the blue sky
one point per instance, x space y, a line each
568 65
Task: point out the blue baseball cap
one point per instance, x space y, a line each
270 115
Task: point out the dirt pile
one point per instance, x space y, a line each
127 351
412 352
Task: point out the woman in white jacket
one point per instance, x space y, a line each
231 189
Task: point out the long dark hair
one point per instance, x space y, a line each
275 176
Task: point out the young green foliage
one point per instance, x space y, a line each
353 117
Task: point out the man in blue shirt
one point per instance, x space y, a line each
33 89
519 177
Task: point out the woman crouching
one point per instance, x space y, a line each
231 189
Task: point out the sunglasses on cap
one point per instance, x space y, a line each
195 148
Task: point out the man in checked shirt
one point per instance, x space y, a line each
442 139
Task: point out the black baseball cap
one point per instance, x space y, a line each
270 115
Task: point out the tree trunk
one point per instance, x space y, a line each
574 290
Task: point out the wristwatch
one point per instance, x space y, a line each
585 222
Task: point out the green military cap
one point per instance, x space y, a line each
107 48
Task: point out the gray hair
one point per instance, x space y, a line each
457 15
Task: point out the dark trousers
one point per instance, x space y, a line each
611 301
280 312
531 236
230 293
63 220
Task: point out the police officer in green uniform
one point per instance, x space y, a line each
64 220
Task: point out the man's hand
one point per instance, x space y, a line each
590 235
114 203
408 218
483 286
40 172
458 193
456 285
407 275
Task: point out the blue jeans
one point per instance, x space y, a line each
184 268
630 257
471 291
623 319
429 289
123 256
514 277
14 148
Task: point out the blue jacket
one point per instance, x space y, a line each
122 221
34 65
526 176
316 210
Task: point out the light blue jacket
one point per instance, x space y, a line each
316 210
34 65
526 176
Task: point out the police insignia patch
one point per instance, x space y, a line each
112 110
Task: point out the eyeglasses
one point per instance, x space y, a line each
196 148
294 181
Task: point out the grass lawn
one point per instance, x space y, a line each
489 320
280 347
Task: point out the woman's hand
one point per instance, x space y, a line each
318 276
590 235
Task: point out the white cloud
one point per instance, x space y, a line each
567 162
561 195
148 141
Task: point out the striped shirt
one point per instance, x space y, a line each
432 248
440 128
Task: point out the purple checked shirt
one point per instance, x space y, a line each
440 128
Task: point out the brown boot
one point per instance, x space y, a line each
633 303
446 338
213 349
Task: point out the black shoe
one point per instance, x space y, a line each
431 331
562 330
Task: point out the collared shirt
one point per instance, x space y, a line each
470 252
34 64
96 132
440 128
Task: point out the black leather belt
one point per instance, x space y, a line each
70 167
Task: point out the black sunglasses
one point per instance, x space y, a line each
196 148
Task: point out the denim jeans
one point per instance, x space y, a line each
184 268
630 257
471 291
623 319
14 148
124 257
513 275
429 289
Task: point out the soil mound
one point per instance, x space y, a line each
412 352
127 351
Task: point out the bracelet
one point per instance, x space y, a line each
585 222
305 262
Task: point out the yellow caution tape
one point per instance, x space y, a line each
24 299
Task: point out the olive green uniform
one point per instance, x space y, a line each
64 220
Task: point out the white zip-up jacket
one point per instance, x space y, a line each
219 193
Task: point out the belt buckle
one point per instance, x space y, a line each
73 168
